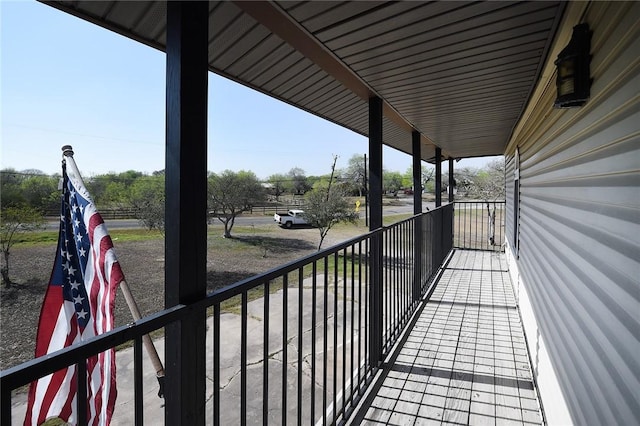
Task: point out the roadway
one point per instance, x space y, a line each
405 206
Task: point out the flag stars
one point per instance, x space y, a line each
82 314
72 270
78 300
76 223
79 238
82 252
74 284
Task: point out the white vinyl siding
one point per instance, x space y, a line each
579 224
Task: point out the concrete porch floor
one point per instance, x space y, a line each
465 360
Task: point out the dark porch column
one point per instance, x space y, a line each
417 209
375 222
417 172
451 180
185 211
438 177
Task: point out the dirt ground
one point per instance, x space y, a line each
143 265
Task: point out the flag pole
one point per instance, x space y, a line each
67 151
146 340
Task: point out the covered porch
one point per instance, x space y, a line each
399 314
464 358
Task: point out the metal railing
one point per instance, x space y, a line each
479 225
302 332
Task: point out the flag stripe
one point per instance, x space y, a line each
78 304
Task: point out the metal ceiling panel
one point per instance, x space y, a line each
458 72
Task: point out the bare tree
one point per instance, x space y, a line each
488 183
356 174
327 205
14 221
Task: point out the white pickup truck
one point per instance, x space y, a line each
292 217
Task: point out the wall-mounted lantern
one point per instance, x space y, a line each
573 77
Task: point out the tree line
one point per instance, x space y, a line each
26 196
31 193
135 190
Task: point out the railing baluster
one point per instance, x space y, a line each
353 290
385 284
476 224
344 329
216 364
335 335
265 355
393 260
470 222
313 341
407 256
300 335
285 339
359 313
367 323
137 381
325 340
243 361
401 277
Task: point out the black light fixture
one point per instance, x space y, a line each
573 79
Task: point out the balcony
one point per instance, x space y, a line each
397 326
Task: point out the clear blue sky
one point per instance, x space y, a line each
66 81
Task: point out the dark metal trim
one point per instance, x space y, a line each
417 209
451 181
375 222
186 192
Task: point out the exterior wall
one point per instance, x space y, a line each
576 256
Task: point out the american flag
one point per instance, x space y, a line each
78 305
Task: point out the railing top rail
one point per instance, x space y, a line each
27 372
480 202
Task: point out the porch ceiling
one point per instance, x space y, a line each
458 72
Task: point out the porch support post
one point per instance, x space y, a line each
375 222
451 180
417 209
185 208
438 177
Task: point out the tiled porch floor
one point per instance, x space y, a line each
465 361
